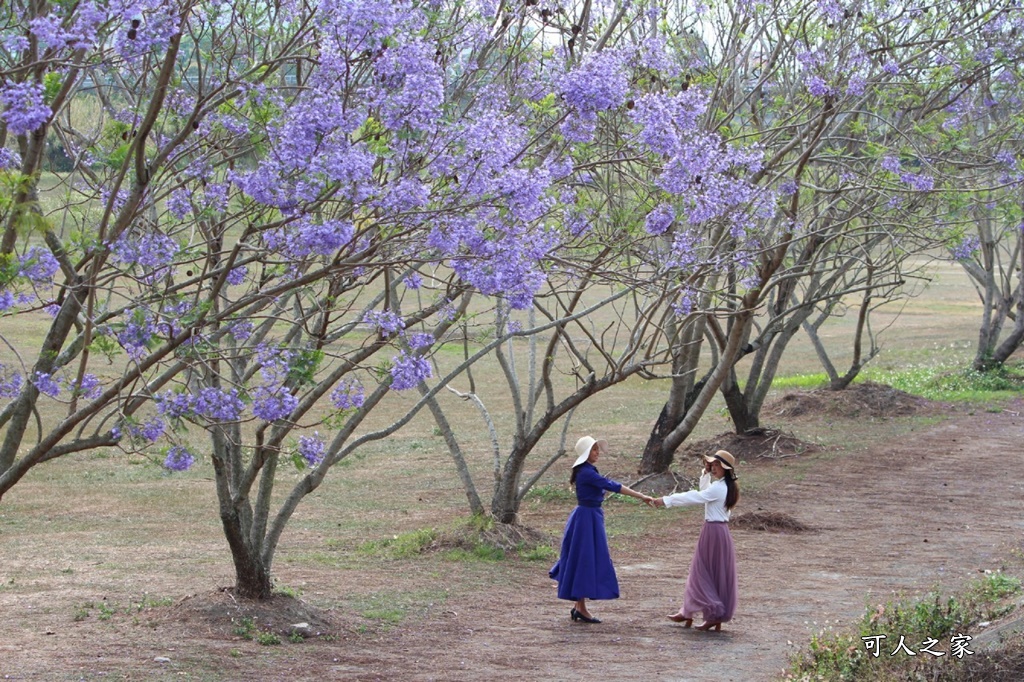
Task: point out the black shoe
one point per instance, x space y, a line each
587 620
574 614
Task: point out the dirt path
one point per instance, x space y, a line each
933 509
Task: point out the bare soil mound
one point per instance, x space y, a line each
776 522
860 400
510 538
759 443
222 614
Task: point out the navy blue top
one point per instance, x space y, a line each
590 486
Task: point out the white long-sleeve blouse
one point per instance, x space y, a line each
711 495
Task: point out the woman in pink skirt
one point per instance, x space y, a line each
711 584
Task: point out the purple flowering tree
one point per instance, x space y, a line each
275 214
979 135
860 192
843 99
663 208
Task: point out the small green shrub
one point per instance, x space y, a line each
106 611
401 546
844 656
475 553
267 638
245 628
388 615
539 553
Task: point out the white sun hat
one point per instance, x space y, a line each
584 446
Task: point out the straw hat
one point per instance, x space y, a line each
722 457
584 446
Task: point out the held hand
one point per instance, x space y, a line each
657 502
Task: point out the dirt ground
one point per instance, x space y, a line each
935 507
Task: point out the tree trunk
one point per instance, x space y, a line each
505 503
252 578
744 420
1009 346
655 459
252 568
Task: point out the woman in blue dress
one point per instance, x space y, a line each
584 569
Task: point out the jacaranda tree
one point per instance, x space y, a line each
843 100
270 215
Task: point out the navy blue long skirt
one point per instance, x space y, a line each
584 569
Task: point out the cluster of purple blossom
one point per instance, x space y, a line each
209 402
89 386
179 203
9 159
57 33
412 86
420 340
599 83
151 251
386 322
24 106
46 384
963 111
137 331
38 265
833 10
918 181
237 275
241 330
413 282
665 120
355 25
273 400
966 247
312 448
310 147
52 384
660 219
509 266
348 395
10 382
148 431
404 196
407 371
179 458
148 26
307 237
818 86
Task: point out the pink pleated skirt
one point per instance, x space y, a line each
711 586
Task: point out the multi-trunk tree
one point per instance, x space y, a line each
842 99
273 216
